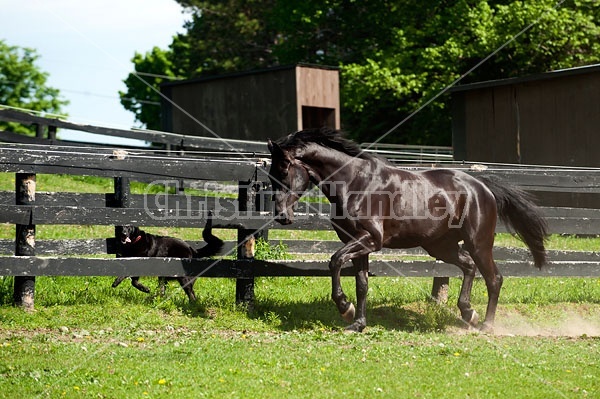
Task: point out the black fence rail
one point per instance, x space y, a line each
248 212
46 129
55 257
410 153
173 143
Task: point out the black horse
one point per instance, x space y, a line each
376 204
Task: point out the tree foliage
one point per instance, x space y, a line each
142 96
395 57
23 85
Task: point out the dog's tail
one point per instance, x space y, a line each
214 244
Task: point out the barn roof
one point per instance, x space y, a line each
530 78
246 73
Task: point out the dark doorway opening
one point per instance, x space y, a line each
317 117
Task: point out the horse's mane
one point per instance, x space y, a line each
326 137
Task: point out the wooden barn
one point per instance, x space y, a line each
254 105
548 119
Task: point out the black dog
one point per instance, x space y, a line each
137 243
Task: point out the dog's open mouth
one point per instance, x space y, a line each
127 240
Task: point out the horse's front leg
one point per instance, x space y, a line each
357 248
345 308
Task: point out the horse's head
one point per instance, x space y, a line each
289 180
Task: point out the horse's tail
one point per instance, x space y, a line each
517 210
213 243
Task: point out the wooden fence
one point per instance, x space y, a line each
249 214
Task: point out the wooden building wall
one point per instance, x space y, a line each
255 105
317 88
550 119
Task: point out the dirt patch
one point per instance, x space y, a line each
566 321
571 326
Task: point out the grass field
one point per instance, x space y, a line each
86 339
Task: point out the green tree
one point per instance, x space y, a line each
23 85
448 42
226 36
220 37
395 57
143 86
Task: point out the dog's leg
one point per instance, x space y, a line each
187 283
162 284
135 281
118 281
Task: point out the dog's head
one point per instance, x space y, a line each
128 234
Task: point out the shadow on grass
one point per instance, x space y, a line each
277 314
415 317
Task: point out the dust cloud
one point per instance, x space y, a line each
574 325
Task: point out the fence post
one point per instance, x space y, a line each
39 130
122 192
244 285
51 132
121 199
24 286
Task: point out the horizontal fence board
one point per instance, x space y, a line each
108 246
174 139
39 215
146 201
425 268
175 267
327 248
224 218
54 160
580 181
56 266
94 246
182 203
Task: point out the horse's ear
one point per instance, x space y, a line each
274 148
280 154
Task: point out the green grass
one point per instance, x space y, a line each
86 339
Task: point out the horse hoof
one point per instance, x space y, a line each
471 318
474 319
348 315
487 328
354 328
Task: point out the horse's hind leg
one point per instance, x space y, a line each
493 281
449 251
